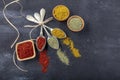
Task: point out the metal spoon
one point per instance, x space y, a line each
41 41
37 16
51 29
52 40
42 14
31 18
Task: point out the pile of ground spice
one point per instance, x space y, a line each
68 42
44 60
62 56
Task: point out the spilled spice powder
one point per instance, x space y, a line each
62 56
68 42
44 60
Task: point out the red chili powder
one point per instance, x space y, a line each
44 60
25 50
41 41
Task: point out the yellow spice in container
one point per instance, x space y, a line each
68 42
61 12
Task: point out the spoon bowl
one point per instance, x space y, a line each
52 40
57 32
41 41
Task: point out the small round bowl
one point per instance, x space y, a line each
75 23
60 12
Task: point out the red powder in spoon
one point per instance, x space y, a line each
41 42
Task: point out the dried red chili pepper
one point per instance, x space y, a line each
44 60
41 42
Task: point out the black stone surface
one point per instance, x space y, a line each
99 42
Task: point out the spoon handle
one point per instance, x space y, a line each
41 31
48 28
48 34
48 20
42 14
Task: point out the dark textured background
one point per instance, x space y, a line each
99 42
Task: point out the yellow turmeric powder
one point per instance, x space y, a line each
61 12
58 33
75 52
68 42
